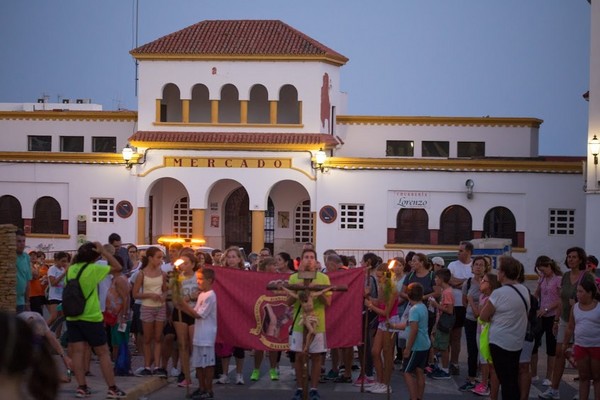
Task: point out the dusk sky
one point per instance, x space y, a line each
509 58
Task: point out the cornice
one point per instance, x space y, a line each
221 57
456 165
439 121
61 115
228 146
64 158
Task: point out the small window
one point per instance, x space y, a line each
470 149
435 149
39 143
71 143
102 144
352 216
303 223
400 148
103 210
561 222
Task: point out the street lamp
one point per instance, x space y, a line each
320 158
595 148
127 153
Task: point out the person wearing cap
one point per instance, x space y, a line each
438 263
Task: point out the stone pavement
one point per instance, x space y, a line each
134 386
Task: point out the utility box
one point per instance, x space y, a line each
493 248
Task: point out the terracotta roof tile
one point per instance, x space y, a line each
269 38
236 139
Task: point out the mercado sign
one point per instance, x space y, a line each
227 162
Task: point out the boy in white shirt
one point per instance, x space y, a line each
205 334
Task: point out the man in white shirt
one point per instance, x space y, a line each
461 271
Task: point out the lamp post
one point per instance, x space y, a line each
595 148
127 153
320 158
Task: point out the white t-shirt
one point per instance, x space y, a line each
509 322
459 271
205 328
55 291
587 326
103 286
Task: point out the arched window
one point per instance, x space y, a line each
412 226
170 105
455 225
11 211
258 106
229 106
200 104
288 108
499 222
46 216
303 223
182 219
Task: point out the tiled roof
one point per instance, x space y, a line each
234 139
239 39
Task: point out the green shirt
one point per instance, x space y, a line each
23 276
89 280
568 291
319 306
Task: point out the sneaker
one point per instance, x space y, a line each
143 372
115 393
180 377
454 369
195 395
223 379
467 386
546 382
274 374
379 388
83 391
184 383
397 361
207 395
481 390
255 375
175 372
535 378
137 371
364 381
550 394
343 379
313 394
239 379
331 375
298 395
440 374
160 372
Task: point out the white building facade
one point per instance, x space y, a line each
225 139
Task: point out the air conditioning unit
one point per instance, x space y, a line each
41 100
79 101
66 101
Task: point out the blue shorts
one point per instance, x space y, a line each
416 359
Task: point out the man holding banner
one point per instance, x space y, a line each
319 343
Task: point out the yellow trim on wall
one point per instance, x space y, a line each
63 157
481 165
228 146
451 121
243 112
70 115
228 124
185 111
220 57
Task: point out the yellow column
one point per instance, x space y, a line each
258 230
214 111
273 112
198 223
243 111
185 111
157 111
141 226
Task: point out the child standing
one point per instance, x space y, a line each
585 323
418 344
205 334
441 339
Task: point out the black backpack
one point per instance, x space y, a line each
73 300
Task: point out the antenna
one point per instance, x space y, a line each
135 39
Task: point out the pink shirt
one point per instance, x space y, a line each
549 293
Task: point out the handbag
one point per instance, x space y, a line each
484 342
110 319
446 322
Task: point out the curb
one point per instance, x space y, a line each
146 387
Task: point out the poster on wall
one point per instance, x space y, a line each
398 199
214 221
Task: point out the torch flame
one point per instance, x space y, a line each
391 264
178 262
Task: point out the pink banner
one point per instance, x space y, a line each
251 317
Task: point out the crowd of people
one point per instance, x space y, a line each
414 312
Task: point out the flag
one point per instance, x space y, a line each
252 317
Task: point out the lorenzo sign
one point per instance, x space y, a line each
408 199
227 162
